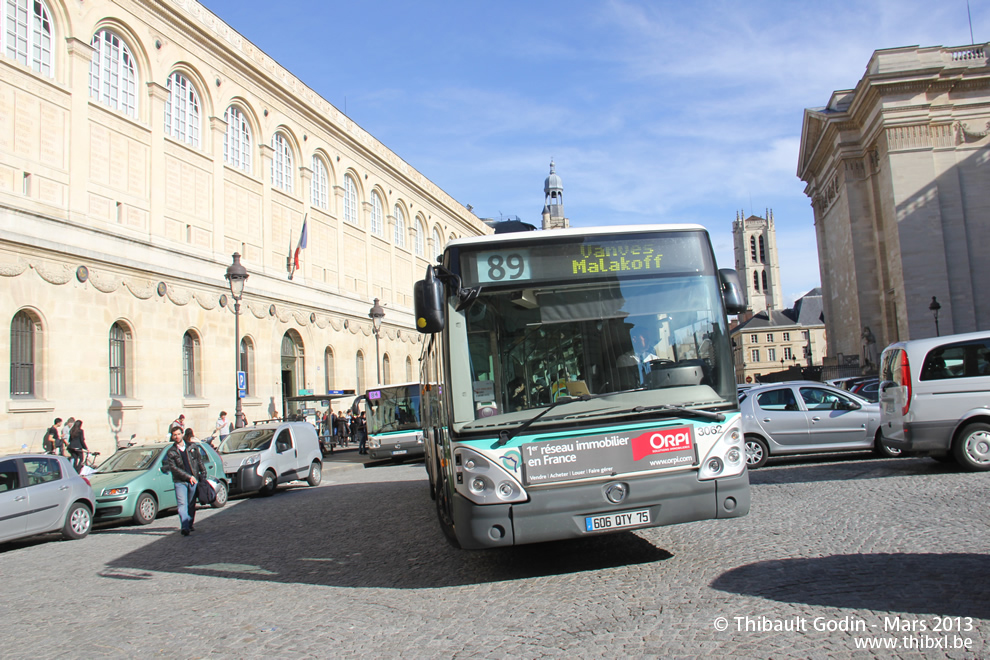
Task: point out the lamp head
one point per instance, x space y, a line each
236 276
934 307
376 315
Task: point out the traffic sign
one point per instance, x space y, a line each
242 381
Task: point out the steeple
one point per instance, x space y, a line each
553 207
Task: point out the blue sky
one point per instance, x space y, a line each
653 111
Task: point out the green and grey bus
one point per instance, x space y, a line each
395 429
581 382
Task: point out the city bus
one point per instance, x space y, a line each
394 427
580 382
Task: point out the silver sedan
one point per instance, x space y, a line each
41 493
804 417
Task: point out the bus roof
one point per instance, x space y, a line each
576 232
384 387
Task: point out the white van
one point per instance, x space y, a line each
935 397
260 457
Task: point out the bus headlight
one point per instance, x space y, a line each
725 459
482 481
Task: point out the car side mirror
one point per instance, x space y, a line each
164 469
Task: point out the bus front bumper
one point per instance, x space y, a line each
560 512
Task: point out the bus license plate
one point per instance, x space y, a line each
400 451
617 520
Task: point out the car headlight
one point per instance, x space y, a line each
114 491
727 457
251 460
483 482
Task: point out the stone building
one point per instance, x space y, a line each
754 241
896 169
773 340
142 142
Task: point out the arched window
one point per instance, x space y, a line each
420 239
763 253
190 360
764 280
113 74
409 371
359 372
400 226
437 242
282 163
386 370
377 225
182 110
756 280
120 364
329 368
752 249
320 184
28 34
350 200
25 355
237 139
245 362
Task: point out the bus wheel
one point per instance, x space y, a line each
444 513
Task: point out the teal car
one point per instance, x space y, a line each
131 483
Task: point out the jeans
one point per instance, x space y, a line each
185 499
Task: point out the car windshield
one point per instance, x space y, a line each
129 460
247 440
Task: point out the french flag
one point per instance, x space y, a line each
302 242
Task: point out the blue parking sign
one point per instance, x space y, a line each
242 380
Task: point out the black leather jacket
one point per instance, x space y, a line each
173 461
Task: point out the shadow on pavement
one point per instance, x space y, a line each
362 535
939 584
829 467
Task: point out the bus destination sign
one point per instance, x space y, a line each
630 255
614 453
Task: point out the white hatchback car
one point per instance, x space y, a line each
41 493
805 417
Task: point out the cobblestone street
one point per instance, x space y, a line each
835 555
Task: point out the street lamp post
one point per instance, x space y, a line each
236 276
934 307
376 315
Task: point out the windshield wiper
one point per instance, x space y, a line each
686 412
505 436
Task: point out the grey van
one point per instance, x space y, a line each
935 397
260 457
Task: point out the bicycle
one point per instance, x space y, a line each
89 463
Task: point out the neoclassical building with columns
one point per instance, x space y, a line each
142 143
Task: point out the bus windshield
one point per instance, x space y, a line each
655 338
393 408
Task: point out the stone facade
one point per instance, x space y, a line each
896 169
771 341
118 220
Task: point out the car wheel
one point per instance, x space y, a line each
146 509
315 474
221 498
972 447
78 521
881 449
757 452
270 483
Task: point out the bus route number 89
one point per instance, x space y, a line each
503 266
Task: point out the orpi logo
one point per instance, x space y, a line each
662 441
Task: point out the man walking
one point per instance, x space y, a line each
53 437
187 468
361 429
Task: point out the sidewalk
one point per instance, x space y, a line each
346 458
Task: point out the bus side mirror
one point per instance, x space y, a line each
732 292
428 302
